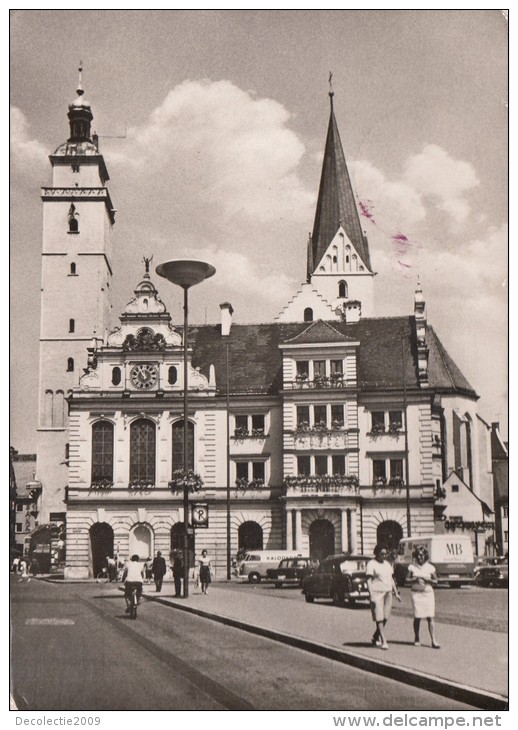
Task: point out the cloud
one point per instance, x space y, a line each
25 151
227 147
435 175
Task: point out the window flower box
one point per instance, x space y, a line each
377 429
101 484
140 484
182 480
397 482
241 432
379 482
321 483
395 428
337 425
242 484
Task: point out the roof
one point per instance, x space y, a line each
255 360
336 204
318 332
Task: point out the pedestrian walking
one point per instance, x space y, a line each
380 581
205 571
16 565
159 569
148 573
178 568
111 567
423 578
24 572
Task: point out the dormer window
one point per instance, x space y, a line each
342 290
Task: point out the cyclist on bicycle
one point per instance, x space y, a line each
133 577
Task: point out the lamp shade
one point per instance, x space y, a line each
185 272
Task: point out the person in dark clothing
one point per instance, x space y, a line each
159 569
178 573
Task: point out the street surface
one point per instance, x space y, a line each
471 606
74 648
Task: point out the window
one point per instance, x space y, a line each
379 469
320 465
172 375
72 269
303 369
337 367
505 511
337 415
19 507
303 465
116 376
142 450
396 468
71 325
258 423
102 451
18 527
258 470
377 421
302 416
70 365
248 470
342 290
320 415
308 314
395 420
319 368
391 470
67 452
242 470
338 461
249 425
506 535
178 445
454 487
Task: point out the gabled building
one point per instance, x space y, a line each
326 429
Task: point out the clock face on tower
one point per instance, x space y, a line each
144 375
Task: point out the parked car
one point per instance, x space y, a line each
291 570
493 575
340 578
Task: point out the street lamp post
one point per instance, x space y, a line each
185 273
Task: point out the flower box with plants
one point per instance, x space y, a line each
101 484
189 480
395 428
379 482
242 484
396 482
337 380
321 381
321 483
140 484
337 425
377 429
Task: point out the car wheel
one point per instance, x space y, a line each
351 602
278 585
254 578
338 600
309 599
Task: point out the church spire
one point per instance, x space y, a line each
79 114
336 205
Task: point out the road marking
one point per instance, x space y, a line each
49 622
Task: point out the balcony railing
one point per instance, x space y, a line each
336 483
319 382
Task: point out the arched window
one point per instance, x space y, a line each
142 451
308 314
172 375
73 223
71 325
72 269
70 365
178 445
47 408
58 409
342 290
116 376
141 541
102 451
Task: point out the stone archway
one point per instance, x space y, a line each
141 541
389 533
321 539
101 545
250 536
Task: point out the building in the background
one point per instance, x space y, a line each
23 500
500 460
331 428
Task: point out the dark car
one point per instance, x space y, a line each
493 575
340 578
291 570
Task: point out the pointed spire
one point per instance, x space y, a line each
336 205
79 113
80 90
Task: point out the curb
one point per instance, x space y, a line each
448 688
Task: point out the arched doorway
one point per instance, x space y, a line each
249 537
101 543
321 539
389 533
141 542
177 542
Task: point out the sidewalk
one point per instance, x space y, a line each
471 666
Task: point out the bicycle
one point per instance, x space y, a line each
133 604
103 576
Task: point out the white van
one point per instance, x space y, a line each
451 555
255 563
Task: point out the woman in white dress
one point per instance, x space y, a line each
423 578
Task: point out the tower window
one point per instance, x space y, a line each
343 290
71 325
116 376
308 314
70 365
73 223
172 375
72 269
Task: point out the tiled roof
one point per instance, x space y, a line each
255 360
336 203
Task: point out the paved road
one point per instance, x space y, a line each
73 648
471 606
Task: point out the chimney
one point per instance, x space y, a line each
226 318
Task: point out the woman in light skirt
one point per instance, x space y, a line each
423 578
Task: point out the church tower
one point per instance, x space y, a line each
78 217
339 265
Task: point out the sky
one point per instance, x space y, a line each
213 124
